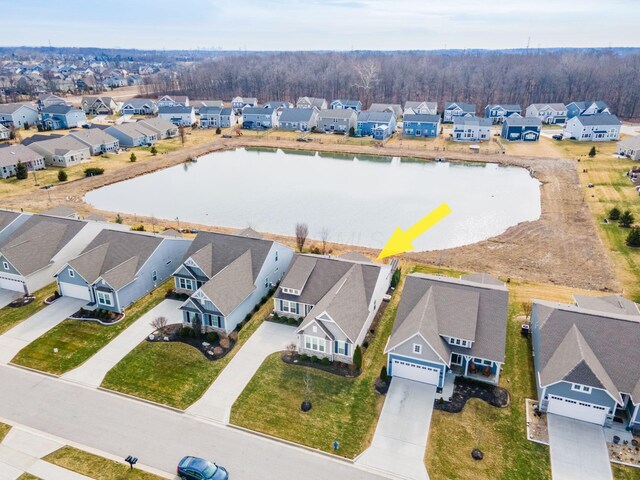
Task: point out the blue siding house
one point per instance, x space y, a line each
420 125
256 118
575 109
56 117
380 125
499 113
343 104
518 129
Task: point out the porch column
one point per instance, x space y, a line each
497 372
466 365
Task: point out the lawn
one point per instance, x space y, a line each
94 466
4 429
28 476
622 472
77 340
173 374
10 317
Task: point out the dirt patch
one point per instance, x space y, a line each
464 389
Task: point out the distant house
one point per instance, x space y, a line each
471 129
575 109
298 119
343 104
518 129
17 115
498 113
198 104
178 115
62 152
337 120
133 134
454 110
394 108
446 327
312 102
226 276
139 106
255 118
424 108
278 106
238 103
56 117
380 125
5 133
93 105
630 147
548 113
214 117
173 101
12 154
117 268
601 127
336 299
581 371
97 140
420 125
48 99
163 128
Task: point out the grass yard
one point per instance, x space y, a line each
28 476
10 317
78 340
4 429
173 374
94 466
622 472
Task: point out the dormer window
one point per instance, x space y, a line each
580 388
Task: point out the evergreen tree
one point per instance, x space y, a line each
592 152
626 219
133 157
62 176
154 150
633 239
614 213
357 357
21 171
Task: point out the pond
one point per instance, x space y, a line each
359 200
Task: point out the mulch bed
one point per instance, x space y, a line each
336 368
173 295
104 316
22 301
465 389
210 350
381 386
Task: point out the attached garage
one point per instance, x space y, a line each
414 371
11 284
75 291
587 412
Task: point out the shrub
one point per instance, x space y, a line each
62 176
133 157
21 171
154 150
315 250
352 132
193 333
225 342
139 228
247 317
314 359
395 279
276 317
304 357
256 308
233 336
272 290
614 214
218 131
626 219
263 300
217 351
592 152
93 171
239 326
325 361
185 331
383 374
633 239
365 344
212 337
357 357
118 219
159 323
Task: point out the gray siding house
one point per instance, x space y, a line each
62 151
117 268
302 119
163 128
16 115
312 102
58 117
454 110
214 117
254 118
226 276
548 113
97 140
12 154
343 104
139 106
133 134
420 108
337 300
337 120
178 115
630 147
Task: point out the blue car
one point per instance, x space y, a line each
194 468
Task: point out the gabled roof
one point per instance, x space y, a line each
297 115
553 106
60 145
396 108
7 217
210 110
175 109
472 122
257 111
506 106
133 130
249 232
523 122
337 113
630 142
207 103
63 211
609 304
158 124
11 154
466 107
313 101
421 118
9 108
139 102
381 117
605 119
351 103
59 109
414 105
93 136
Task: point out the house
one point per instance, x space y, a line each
133 134
446 326
519 129
63 151
575 109
226 276
17 115
471 129
336 299
56 117
32 253
499 113
420 125
457 109
5 133
337 120
238 103
255 118
278 106
630 147
549 113
425 108
178 115
163 128
10 155
118 267
96 105
394 108
63 211
298 119
198 104
587 360
173 101
380 125
600 127
214 117
47 99
10 221
343 104
312 102
97 140
139 106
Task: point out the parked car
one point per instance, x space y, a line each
194 468
558 136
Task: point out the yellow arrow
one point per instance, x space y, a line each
401 240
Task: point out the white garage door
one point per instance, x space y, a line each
13 285
75 291
414 371
587 412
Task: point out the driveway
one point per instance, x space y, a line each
217 401
8 296
578 450
92 372
400 440
14 340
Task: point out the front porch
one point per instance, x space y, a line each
475 368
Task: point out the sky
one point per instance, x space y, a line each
320 24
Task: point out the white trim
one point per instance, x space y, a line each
388 350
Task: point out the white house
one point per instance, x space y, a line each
630 147
601 127
471 129
17 115
548 113
178 115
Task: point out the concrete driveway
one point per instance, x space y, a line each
7 296
578 450
400 440
92 372
217 401
14 340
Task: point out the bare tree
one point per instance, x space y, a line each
367 76
182 133
324 237
291 349
308 385
302 231
527 307
159 323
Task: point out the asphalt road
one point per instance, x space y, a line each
157 436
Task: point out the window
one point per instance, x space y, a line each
341 348
276 255
290 307
72 274
5 265
185 283
456 359
580 388
315 343
105 298
417 348
154 276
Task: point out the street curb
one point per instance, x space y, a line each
33 370
144 400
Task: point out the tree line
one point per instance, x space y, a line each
479 77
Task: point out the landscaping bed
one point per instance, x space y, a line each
173 295
465 388
337 368
104 317
22 301
212 345
284 320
